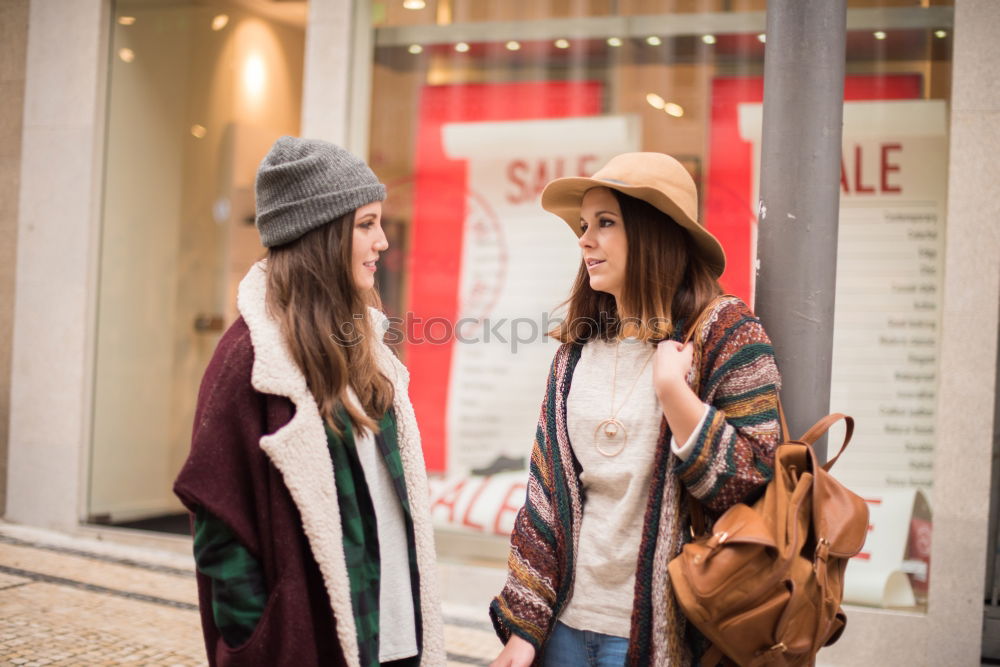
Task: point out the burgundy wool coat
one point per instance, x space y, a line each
259 462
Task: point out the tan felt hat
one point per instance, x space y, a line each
656 179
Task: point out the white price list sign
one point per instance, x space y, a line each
885 349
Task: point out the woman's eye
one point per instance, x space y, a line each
583 227
606 222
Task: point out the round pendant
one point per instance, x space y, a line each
613 430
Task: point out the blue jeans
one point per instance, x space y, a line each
569 647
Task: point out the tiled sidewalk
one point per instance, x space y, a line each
76 601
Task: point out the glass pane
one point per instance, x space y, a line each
198 91
894 175
475 106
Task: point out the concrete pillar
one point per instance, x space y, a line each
58 225
968 357
950 633
13 51
800 199
336 89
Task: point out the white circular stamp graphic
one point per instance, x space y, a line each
484 265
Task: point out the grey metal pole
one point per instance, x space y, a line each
800 198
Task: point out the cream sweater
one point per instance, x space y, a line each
617 487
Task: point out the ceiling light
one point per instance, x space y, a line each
654 100
879 34
708 39
562 43
940 34
198 131
127 55
762 38
653 40
513 45
614 41
415 49
462 47
414 4
672 109
126 20
220 22
254 76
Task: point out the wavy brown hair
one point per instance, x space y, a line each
324 320
666 283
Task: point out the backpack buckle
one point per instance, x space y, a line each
767 655
713 544
820 558
717 540
822 550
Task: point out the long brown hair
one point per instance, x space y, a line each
666 282
324 320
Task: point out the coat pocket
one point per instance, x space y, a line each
261 646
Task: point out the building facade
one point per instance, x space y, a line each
134 128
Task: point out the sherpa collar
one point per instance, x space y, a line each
299 451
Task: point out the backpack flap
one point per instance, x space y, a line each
710 567
840 516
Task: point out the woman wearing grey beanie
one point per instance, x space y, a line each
306 481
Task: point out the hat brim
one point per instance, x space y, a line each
564 196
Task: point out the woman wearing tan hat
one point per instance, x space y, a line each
632 419
312 534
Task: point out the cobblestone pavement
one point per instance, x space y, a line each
77 601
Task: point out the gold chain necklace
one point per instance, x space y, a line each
611 427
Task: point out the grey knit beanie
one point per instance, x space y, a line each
303 184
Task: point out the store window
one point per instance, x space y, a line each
198 91
475 106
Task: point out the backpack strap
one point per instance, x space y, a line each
703 315
712 657
784 424
822 426
698 523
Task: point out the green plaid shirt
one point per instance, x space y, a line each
238 591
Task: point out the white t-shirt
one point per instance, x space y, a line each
616 488
397 626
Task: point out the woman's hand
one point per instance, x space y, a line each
671 365
517 653
682 408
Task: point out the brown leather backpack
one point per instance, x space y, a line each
765 585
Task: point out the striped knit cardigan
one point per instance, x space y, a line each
735 374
